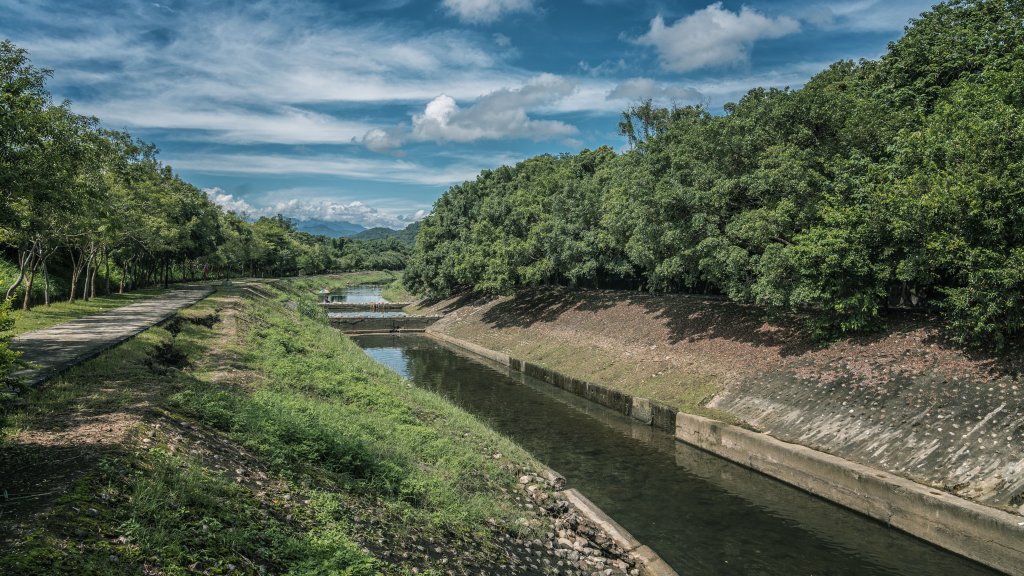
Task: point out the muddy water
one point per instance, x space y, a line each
702 514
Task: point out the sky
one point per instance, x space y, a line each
367 112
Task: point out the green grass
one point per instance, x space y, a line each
335 449
312 284
396 292
44 316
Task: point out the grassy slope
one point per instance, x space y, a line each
310 285
279 447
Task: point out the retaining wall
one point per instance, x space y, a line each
987 535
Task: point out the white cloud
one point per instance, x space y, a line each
485 11
294 205
636 89
375 169
281 125
257 74
713 36
866 15
228 202
502 40
501 114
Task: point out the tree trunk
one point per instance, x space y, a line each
46 286
106 260
85 281
26 302
75 271
124 275
22 261
92 280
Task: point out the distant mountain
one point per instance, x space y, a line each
327 228
407 234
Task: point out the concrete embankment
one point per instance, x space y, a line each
373 324
903 400
987 535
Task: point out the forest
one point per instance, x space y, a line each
880 185
88 211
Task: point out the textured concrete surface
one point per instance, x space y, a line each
984 534
962 436
53 350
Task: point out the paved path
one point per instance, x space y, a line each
55 349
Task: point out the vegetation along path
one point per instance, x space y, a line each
52 350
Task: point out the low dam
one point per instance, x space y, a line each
702 514
363 310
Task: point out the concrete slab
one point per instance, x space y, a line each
53 350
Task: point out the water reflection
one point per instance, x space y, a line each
702 514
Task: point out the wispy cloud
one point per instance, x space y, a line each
713 36
374 169
865 15
253 73
485 11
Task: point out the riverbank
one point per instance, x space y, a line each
902 401
245 437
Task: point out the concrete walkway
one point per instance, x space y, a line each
53 350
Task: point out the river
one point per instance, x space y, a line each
702 514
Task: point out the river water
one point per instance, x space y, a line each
364 294
702 514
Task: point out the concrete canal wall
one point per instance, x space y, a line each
984 534
369 324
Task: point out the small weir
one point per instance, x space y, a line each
363 310
702 514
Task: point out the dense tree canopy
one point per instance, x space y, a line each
82 207
879 184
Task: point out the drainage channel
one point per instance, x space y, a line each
702 514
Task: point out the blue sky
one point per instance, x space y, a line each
368 111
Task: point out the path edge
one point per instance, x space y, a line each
48 374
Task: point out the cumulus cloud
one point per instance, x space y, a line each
501 114
646 88
229 202
485 11
713 36
325 209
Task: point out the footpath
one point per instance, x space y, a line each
50 351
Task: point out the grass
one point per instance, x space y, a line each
44 316
280 447
397 292
310 285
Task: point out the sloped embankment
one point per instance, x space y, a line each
243 437
902 401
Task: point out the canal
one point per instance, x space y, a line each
702 514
